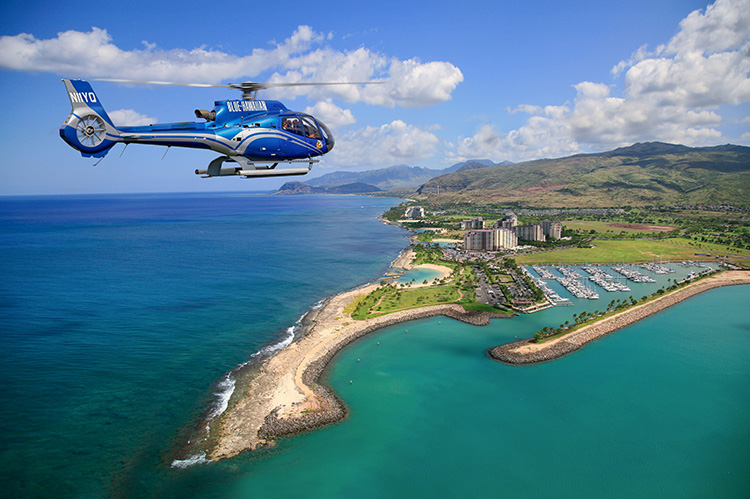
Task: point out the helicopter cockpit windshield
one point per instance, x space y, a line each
307 126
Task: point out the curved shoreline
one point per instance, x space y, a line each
331 408
526 352
286 395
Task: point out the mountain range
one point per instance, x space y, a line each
652 173
398 177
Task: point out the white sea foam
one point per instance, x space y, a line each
285 342
226 386
191 461
224 393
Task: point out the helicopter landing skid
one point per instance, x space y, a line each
248 169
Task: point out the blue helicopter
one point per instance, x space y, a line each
256 135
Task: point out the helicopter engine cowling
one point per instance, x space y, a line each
206 115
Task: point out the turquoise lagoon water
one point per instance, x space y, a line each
122 316
418 276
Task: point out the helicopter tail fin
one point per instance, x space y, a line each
89 129
83 99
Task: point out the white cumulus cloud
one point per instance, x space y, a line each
303 57
331 114
389 144
130 117
673 94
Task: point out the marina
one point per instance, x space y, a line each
656 268
578 289
600 275
632 274
604 280
550 293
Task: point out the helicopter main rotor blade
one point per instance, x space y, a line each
309 84
152 82
245 85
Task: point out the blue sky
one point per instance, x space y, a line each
497 80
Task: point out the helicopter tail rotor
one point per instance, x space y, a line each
88 128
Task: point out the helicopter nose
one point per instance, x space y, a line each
327 135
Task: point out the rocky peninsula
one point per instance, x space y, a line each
285 396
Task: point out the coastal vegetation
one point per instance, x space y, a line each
459 288
431 254
585 318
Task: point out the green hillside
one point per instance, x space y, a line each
643 174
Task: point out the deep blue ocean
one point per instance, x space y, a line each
121 317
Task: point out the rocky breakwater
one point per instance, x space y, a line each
329 408
528 352
518 353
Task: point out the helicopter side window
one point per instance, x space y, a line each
292 124
311 129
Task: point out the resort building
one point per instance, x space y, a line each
506 238
474 223
489 240
414 212
531 232
509 222
553 230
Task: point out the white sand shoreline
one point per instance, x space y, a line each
285 396
279 391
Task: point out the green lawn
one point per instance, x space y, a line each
617 251
738 256
389 299
609 227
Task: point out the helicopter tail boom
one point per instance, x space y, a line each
88 128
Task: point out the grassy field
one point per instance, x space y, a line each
625 251
612 227
391 299
735 255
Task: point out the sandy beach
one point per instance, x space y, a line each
285 397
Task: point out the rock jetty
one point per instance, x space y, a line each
331 408
528 352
